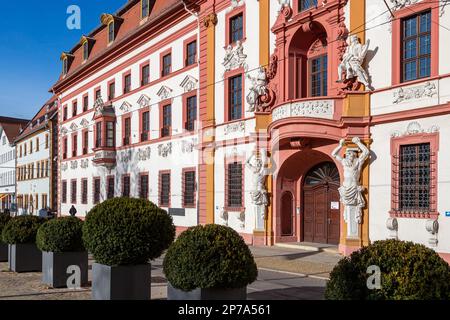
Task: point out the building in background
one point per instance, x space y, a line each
273 117
36 165
9 130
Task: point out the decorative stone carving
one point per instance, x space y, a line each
351 70
189 83
73 126
84 123
443 4
125 156
235 4
188 146
164 150
257 89
234 127
310 109
64 166
235 57
427 90
164 93
84 164
392 225
125 107
414 128
64 131
241 218
210 20
399 4
99 107
224 216
432 226
73 165
144 101
351 191
144 154
284 3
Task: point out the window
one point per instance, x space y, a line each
85 50
189 189
191 113
145 134
111 91
145 8
415 178
85 142
65 113
111 32
74 145
145 75
110 133
236 28
234 185
416 46
65 148
166 65
47 168
127 131
235 98
38 169
74 108
85 103
167 121
143 186
98 94
73 194
307 4
111 187
31 147
98 135
126 186
37 144
127 83
96 190
84 191
319 76
46 141
164 191
64 191
191 53
65 66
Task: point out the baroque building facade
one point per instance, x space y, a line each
290 121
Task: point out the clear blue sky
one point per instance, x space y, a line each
32 36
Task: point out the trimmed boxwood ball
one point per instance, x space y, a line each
127 231
4 219
210 256
22 229
409 271
61 235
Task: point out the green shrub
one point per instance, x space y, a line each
22 229
4 219
126 231
408 271
210 256
61 235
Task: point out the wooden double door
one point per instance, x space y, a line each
321 207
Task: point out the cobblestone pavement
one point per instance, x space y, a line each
283 274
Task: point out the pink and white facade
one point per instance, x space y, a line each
191 90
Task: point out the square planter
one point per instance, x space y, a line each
24 258
3 252
55 264
206 294
121 282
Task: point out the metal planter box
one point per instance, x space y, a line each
24 258
206 294
121 282
3 252
55 264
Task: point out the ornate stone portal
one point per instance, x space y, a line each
351 191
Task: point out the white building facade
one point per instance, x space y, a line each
239 113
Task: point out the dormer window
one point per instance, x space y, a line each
66 59
85 50
65 66
111 32
145 8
